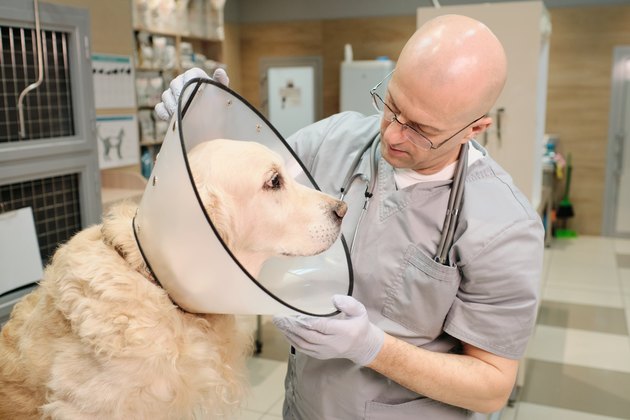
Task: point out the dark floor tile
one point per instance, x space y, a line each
597 391
583 317
623 260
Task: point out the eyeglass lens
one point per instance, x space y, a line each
409 132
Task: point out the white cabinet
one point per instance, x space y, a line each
357 78
524 28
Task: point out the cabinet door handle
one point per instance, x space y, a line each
500 112
619 143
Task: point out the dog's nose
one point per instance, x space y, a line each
340 209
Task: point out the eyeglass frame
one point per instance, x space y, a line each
406 125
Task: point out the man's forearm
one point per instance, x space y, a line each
476 380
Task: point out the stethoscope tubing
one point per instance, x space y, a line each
351 175
370 182
454 198
454 205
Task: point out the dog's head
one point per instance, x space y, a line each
257 208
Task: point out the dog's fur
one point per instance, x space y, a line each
99 339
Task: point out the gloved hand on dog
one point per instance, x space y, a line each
165 109
350 335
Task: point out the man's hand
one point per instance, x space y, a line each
350 335
170 96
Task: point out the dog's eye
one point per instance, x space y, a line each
274 183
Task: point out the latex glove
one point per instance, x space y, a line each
165 109
349 335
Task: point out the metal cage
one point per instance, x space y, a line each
48 156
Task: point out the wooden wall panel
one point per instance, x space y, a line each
293 39
111 25
326 38
232 54
578 101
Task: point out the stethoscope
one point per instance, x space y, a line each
454 198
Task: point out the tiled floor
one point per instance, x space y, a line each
578 360
267 393
266 376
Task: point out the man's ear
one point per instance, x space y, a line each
478 128
482 125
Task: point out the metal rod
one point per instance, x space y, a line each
13 65
47 89
64 51
39 68
3 77
38 121
57 88
24 61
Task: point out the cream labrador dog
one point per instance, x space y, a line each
99 339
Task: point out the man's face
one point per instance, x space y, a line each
425 113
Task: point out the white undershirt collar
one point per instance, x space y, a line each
407 177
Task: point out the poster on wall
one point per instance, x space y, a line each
117 137
114 85
291 95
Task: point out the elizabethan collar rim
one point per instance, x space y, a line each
184 103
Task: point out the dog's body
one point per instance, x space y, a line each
99 339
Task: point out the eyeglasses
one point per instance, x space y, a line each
411 134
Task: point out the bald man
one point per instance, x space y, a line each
435 327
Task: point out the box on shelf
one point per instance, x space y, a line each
198 18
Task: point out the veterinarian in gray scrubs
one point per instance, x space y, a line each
419 338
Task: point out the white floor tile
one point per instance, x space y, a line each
249 415
584 257
584 276
528 411
627 304
276 409
271 417
582 348
570 294
508 413
622 246
267 384
589 244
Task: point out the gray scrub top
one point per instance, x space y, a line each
487 297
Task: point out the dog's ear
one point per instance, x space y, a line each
214 204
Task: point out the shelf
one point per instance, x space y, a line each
154 69
151 143
176 35
149 53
